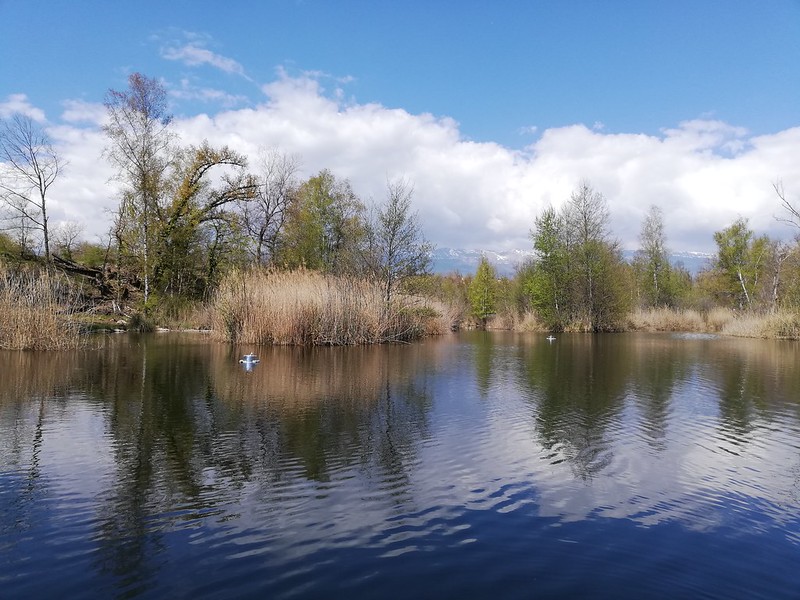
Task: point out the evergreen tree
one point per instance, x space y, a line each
482 291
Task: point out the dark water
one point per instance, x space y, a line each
474 466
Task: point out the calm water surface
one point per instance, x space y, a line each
473 466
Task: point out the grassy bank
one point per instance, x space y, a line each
304 308
308 308
37 312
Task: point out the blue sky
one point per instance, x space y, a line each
543 94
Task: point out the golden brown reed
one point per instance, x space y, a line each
666 319
308 308
718 318
526 321
37 312
778 325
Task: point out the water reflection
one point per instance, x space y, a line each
149 452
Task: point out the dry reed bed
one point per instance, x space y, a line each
781 325
308 308
667 319
36 312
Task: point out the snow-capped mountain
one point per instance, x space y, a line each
465 262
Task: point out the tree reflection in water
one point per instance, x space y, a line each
189 430
184 439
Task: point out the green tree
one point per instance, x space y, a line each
325 226
196 229
141 147
482 291
740 263
598 298
578 275
547 283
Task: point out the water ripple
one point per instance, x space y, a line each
611 467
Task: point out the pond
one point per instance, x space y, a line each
471 466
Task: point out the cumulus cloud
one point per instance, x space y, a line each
79 111
703 173
19 104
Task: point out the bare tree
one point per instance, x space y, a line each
652 259
265 214
396 247
140 148
66 236
30 167
794 211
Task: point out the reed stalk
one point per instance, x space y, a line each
308 308
37 312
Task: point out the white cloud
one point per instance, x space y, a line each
86 191
702 173
189 91
19 104
79 111
193 54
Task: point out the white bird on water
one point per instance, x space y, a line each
550 338
248 361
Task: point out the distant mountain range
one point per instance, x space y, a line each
465 262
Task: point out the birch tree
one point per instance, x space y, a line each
652 261
140 146
740 261
325 226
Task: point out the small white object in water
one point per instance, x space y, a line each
550 338
249 359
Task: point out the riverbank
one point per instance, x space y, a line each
306 308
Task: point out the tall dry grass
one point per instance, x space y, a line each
36 312
666 319
308 308
718 318
672 319
778 325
